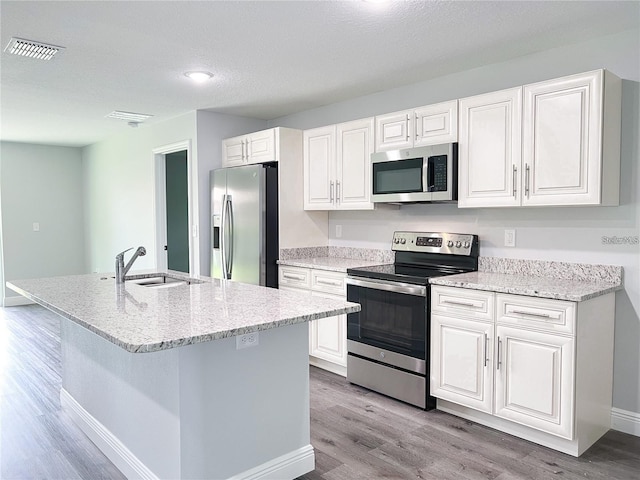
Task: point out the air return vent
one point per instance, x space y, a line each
32 49
128 116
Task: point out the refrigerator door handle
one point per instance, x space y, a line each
223 235
231 234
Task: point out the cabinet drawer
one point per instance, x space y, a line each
330 282
462 301
295 277
537 313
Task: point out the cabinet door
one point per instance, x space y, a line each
353 162
233 151
562 149
319 168
394 131
461 366
261 146
534 380
328 336
490 149
436 124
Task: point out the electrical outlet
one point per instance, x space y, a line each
509 238
247 340
36 227
338 231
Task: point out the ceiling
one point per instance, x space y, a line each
269 58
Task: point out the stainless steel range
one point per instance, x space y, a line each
388 340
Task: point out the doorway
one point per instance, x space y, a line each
173 208
177 211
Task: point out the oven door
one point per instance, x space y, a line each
393 316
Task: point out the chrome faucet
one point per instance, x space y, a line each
121 269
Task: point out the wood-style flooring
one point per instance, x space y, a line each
357 434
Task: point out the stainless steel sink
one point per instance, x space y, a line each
162 280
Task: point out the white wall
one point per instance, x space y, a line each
119 184
563 234
119 191
40 184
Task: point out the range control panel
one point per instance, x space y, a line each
434 242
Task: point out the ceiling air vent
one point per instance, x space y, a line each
32 49
128 116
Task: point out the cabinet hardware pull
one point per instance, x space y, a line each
526 181
499 359
532 314
515 180
337 192
464 304
328 282
291 276
331 191
415 123
486 349
407 125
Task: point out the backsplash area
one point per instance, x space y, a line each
369 254
559 270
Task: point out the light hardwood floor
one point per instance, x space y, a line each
357 434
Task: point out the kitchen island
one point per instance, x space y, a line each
168 384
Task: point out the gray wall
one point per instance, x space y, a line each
212 128
561 234
41 184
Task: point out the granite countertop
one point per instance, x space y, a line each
533 286
143 319
334 264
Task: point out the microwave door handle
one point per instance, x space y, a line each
432 174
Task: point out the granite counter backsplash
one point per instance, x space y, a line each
580 272
336 259
368 254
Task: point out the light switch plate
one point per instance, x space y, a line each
338 231
509 238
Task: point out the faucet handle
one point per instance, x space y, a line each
121 254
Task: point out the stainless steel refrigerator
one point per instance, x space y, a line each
244 224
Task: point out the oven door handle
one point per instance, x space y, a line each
396 287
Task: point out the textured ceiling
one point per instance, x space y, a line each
269 58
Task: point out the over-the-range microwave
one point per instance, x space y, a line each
421 174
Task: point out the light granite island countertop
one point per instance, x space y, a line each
142 319
208 380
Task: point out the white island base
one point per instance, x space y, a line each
205 411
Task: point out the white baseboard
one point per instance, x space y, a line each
290 465
17 301
625 421
106 441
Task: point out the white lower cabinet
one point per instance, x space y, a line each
534 379
537 368
327 336
460 371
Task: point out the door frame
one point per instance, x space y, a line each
160 210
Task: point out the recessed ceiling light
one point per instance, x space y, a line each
199 77
32 49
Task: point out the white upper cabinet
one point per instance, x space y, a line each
353 164
258 147
551 143
489 150
337 166
429 125
563 141
319 167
